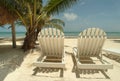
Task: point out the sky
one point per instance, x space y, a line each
104 14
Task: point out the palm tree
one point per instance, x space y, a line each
7 16
35 16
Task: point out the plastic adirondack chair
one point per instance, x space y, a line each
51 42
87 55
112 51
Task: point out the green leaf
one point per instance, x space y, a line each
54 25
56 6
58 21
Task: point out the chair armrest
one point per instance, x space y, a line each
75 49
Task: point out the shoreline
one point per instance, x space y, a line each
110 35
71 37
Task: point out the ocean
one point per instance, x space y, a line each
67 34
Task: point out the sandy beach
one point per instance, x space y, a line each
16 65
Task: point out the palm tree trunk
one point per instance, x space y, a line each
13 35
29 41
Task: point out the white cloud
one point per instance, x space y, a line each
70 16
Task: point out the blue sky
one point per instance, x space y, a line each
93 13
104 14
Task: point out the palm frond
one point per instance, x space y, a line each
1 25
58 21
7 3
39 6
19 23
22 19
56 6
54 25
30 15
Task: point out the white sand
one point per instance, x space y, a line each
24 69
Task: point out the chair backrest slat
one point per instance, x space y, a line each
90 42
51 41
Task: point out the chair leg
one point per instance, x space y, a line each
74 63
61 72
35 70
73 69
77 72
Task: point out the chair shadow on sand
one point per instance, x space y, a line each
84 71
116 41
87 74
10 59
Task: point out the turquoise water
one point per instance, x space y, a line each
9 34
67 34
109 34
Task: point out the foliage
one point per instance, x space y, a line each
34 15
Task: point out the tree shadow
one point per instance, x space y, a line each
10 59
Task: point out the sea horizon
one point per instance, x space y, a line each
67 34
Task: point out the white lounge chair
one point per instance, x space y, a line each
87 56
51 41
112 51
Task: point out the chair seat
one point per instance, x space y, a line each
94 64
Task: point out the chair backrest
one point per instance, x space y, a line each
90 42
51 41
